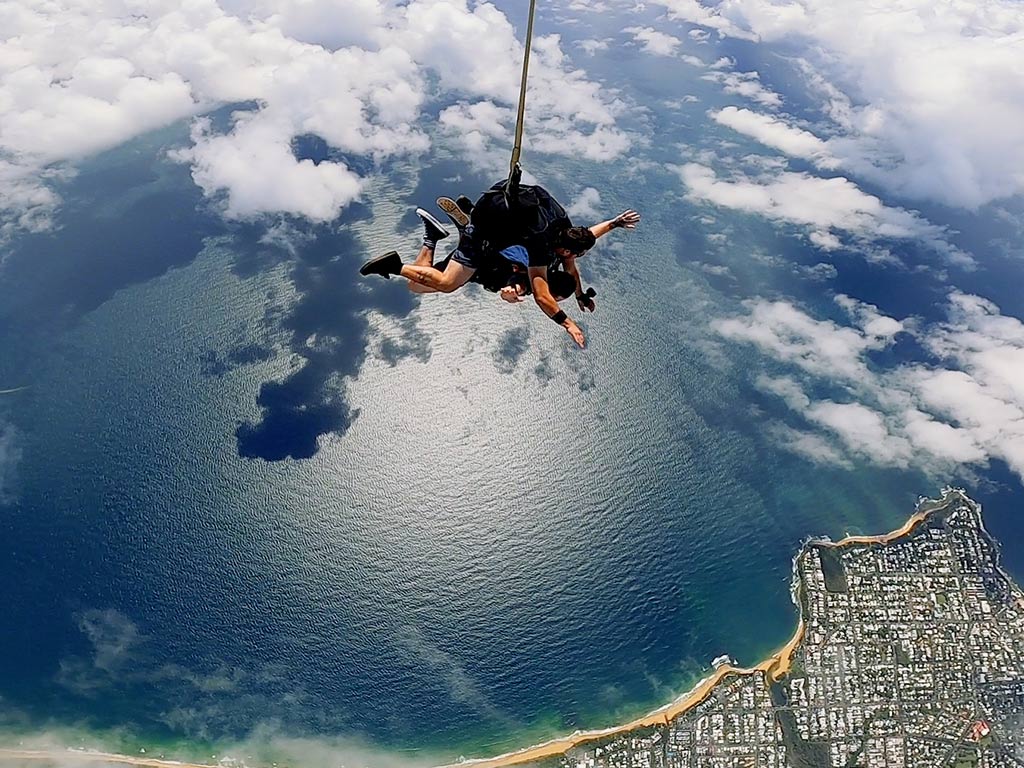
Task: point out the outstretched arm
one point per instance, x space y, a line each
548 305
625 220
584 301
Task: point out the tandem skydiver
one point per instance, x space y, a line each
513 249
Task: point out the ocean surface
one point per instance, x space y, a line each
248 496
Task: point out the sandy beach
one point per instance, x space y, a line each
775 666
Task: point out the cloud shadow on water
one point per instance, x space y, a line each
328 329
511 346
129 216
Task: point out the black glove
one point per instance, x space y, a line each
586 300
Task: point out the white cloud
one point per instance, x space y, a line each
929 94
590 47
716 270
692 11
810 445
10 455
818 272
588 6
862 431
818 347
78 78
745 84
479 127
256 166
774 132
586 206
869 320
325 23
26 203
115 654
784 387
967 409
826 241
653 41
825 206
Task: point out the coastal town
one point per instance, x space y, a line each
910 654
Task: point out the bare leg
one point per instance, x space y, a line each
420 288
425 257
429 280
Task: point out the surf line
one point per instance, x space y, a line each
55 756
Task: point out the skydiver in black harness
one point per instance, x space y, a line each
512 241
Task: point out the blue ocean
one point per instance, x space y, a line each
250 498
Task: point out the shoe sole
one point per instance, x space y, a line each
367 268
428 217
456 214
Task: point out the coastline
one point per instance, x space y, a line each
775 667
56 755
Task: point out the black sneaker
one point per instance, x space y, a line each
465 204
433 230
456 214
387 265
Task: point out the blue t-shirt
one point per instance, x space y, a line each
517 254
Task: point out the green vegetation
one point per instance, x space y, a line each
833 571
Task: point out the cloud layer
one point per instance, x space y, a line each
927 96
965 406
826 207
78 78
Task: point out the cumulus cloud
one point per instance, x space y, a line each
255 165
810 446
480 127
587 205
745 84
819 347
653 41
10 455
461 685
776 133
964 406
694 12
79 78
592 46
929 94
115 646
825 207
